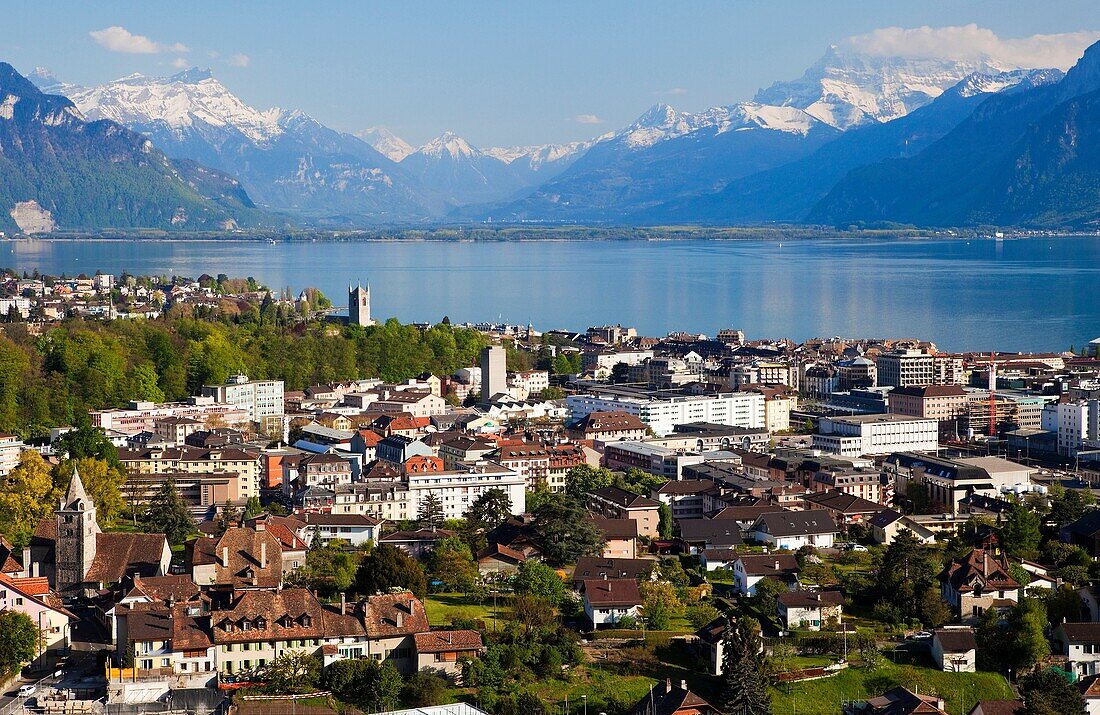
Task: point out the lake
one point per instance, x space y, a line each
1031 294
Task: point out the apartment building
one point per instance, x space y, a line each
905 368
662 411
876 434
244 464
458 488
261 399
10 449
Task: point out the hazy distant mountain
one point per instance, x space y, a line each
58 170
1029 156
666 154
790 191
847 88
386 143
287 160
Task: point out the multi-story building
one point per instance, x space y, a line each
10 449
654 458
523 385
944 403
601 363
244 464
662 411
494 372
143 416
615 503
457 489
947 370
947 481
876 434
905 368
261 399
531 461
1077 424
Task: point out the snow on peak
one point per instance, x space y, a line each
982 83
48 82
386 143
539 155
450 144
180 102
846 88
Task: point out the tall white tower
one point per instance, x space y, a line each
359 305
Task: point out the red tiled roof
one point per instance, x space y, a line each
447 641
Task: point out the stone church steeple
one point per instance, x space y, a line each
76 536
359 305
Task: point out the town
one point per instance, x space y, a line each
222 497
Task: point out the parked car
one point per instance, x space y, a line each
921 635
27 690
853 546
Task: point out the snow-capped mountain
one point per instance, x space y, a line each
847 88
386 143
183 102
461 173
286 159
543 157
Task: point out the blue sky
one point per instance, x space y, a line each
498 73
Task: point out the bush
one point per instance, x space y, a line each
424 689
700 614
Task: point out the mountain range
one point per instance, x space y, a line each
857 139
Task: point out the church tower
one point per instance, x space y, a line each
76 536
359 305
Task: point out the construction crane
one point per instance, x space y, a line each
992 397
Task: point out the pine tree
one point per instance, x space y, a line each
168 513
744 689
430 515
227 518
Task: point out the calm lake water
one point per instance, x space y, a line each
1022 294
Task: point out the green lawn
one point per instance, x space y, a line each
823 697
444 608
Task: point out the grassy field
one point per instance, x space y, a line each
823 697
444 608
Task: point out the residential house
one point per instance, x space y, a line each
845 508
1085 532
899 701
700 534
978 581
356 529
795 529
616 503
750 569
684 497
603 427
609 601
809 609
444 651
954 649
620 537
670 699
33 597
887 524
498 558
1079 644
710 638
418 544
594 568
241 558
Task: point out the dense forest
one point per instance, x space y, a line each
55 378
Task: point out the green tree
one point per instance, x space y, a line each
660 604
1066 507
27 495
744 683
365 682
584 479
86 441
534 578
1021 534
387 567
430 514
934 612
1048 693
252 507
19 641
700 614
565 532
329 568
490 509
664 521
228 517
425 688
168 513
1027 623
103 484
908 568
291 673
454 565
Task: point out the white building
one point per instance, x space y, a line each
905 368
876 434
457 489
10 449
663 412
525 384
1077 424
261 399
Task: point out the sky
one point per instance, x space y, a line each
508 72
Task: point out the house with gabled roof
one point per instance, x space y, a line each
795 529
670 699
609 601
978 581
751 569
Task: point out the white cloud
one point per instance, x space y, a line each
119 39
970 42
587 119
181 63
676 91
240 60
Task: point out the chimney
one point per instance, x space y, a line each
668 685
777 564
27 561
343 602
684 685
400 618
225 557
263 555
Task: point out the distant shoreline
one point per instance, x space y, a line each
577 234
